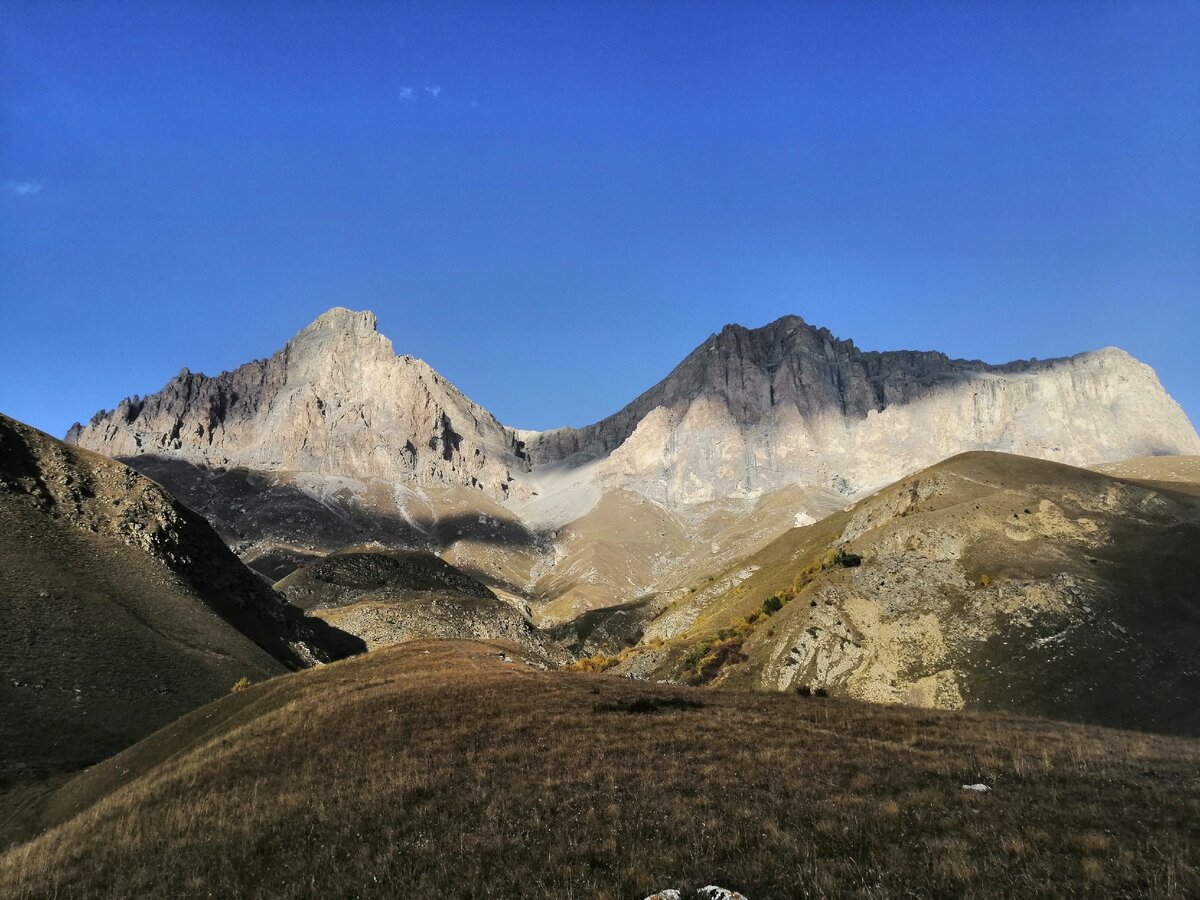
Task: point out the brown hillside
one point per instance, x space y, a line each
438 769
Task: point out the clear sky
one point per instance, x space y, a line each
553 203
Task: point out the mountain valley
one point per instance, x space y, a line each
859 596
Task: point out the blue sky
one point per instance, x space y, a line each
553 203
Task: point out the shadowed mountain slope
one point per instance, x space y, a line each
120 609
388 596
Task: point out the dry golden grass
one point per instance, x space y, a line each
435 769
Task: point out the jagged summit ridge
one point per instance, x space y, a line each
749 411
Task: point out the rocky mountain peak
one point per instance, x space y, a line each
341 337
335 400
340 320
757 409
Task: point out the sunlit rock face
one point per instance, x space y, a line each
335 400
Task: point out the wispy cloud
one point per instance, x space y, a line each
434 91
23 188
408 95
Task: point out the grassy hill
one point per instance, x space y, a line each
988 581
445 768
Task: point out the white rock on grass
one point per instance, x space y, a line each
708 892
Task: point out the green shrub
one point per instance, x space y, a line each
718 656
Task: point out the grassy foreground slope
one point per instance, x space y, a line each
441 768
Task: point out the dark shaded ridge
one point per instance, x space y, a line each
345 577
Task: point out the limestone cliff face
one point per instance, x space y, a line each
752 411
336 400
748 412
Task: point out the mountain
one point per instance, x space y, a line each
747 411
754 410
336 400
985 582
120 609
336 441
449 769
